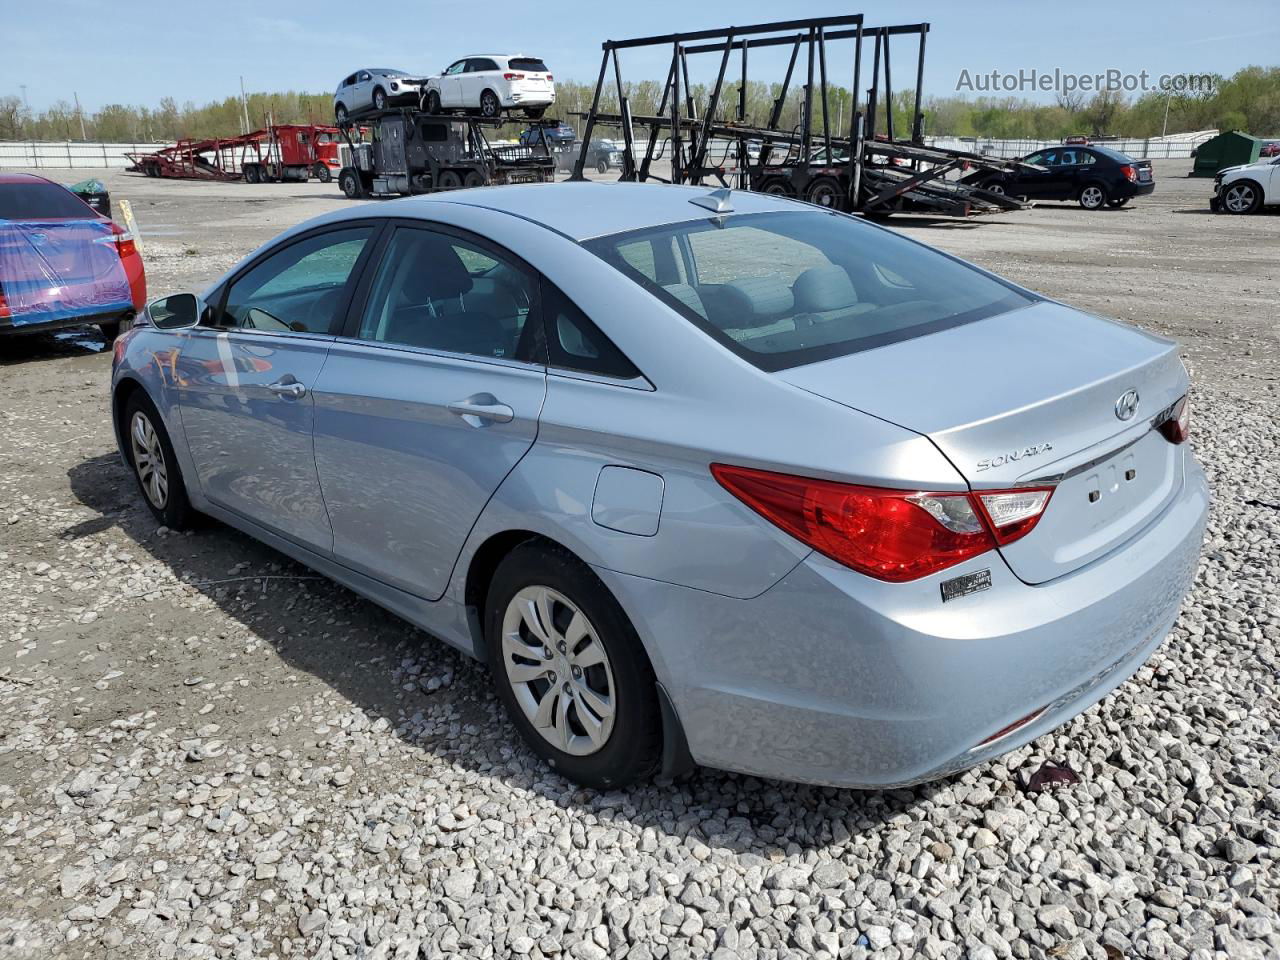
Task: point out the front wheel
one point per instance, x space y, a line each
994 186
490 106
602 166
322 173
349 181
113 329
150 454
570 669
340 113
379 98
433 101
1093 196
1243 196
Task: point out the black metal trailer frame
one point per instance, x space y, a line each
392 164
877 173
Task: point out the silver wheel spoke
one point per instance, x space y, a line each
591 655
562 722
602 706
525 672
544 716
590 723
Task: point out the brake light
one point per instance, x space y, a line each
122 240
893 535
1130 173
513 76
4 307
1176 427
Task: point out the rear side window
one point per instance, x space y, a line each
480 64
785 289
532 64
575 343
40 201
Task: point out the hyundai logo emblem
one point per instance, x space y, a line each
1127 405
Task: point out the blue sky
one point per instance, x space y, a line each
136 51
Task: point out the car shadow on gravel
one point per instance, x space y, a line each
56 345
389 669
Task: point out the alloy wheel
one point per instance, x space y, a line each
1091 197
559 670
148 460
1239 198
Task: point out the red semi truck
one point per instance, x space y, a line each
282 151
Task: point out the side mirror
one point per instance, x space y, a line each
175 312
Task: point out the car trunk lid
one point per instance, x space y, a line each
60 268
1028 397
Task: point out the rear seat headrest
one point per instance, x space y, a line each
820 289
758 299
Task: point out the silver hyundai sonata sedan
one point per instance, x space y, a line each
704 477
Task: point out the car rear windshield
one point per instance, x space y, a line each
39 201
785 289
532 64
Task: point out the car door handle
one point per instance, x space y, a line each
288 388
482 406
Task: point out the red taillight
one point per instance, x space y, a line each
4 307
550 77
1130 173
513 76
122 240
894 535
1176 426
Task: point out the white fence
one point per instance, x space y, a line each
61 155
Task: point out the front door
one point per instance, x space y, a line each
451 85
245 382
1036 184
427 404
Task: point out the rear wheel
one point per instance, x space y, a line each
778 188
490 105
1243 196
1117 204
154 464
350 184
449 180
251 173
433 101
570 670
474 178
1093 196
825 192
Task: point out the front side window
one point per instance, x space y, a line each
298 289
784 289
456 68
441 292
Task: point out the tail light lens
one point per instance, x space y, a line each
513 76
550 77
893 535
122 240
1176 425
4 307
1130 173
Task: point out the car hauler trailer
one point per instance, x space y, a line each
279 152
861 169
413 152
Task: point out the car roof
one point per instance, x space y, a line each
497 56
23 178
584 210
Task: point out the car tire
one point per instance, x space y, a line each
602 166
474 178
112 330
1241 197
433 101
322 172
778 188
600 724
994 186
825 192
251 173
1117 204
349 181
159 478
340 113
379 98
1092 196
490 105
449 180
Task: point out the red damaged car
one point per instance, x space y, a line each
62 264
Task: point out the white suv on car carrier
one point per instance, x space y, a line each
491 83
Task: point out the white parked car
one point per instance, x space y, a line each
1247 188
491 83
376 88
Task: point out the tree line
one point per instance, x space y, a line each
1248 100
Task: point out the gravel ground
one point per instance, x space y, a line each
207 751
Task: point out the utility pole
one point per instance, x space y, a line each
244 107
80 114
1167 100
23 86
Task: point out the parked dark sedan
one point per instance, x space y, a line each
1092 176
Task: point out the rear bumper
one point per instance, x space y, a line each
834 678
1129 189
8 328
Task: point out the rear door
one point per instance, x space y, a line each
481 74
427 402
245 382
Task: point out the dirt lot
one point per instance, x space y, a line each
207 751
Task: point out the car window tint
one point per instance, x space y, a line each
575 343
37 201
657 259
298 289
441 292
456 68
784 289
532 64
475 66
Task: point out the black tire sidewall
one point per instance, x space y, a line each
497 104
433 101
177 510
634 745
346 178
1257 197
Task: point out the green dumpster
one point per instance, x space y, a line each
1228 149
